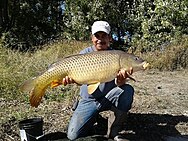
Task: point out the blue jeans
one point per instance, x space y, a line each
85 114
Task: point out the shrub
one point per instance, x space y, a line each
170 57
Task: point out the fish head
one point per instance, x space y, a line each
128 61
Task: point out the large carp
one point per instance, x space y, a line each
91 69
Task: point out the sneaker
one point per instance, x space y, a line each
120 138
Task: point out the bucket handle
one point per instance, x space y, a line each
34 136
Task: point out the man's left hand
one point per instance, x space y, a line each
122 76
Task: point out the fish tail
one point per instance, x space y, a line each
28 85
36 89
36 95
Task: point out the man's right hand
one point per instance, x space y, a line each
67 80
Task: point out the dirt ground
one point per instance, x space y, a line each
159 111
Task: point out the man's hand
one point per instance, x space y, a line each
122 76
67 80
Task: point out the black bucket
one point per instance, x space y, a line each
30 129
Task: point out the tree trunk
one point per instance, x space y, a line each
4 18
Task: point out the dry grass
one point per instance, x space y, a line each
171 57
16 67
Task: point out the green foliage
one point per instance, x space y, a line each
29 22
76 20
80 15
160 23
151 23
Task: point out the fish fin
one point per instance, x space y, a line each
72 55
59 60
132 78
92 87
55 83
28 85
36 95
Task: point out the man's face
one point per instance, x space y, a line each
101 40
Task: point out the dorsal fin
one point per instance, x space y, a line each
59 60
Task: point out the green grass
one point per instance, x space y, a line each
16 67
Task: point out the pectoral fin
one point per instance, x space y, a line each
55 83
92 87
131 78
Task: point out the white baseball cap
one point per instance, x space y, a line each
100 26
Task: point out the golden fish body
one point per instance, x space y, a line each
91 68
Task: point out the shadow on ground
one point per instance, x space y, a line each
154 127
139 127
145 127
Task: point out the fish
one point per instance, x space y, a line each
90 68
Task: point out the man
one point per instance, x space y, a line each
114 95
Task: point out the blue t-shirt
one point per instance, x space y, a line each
103 88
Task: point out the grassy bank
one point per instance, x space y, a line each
173 56
157 92
17 67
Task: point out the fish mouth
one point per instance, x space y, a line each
145 65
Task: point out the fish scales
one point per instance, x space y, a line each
91 68
85 66
82 67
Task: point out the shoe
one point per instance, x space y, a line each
120 138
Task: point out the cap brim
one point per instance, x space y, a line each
98 29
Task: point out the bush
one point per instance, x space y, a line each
173 56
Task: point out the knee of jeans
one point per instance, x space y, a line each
128 89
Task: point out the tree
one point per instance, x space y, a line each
160 22
81 14
25 23
7 14
151 23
